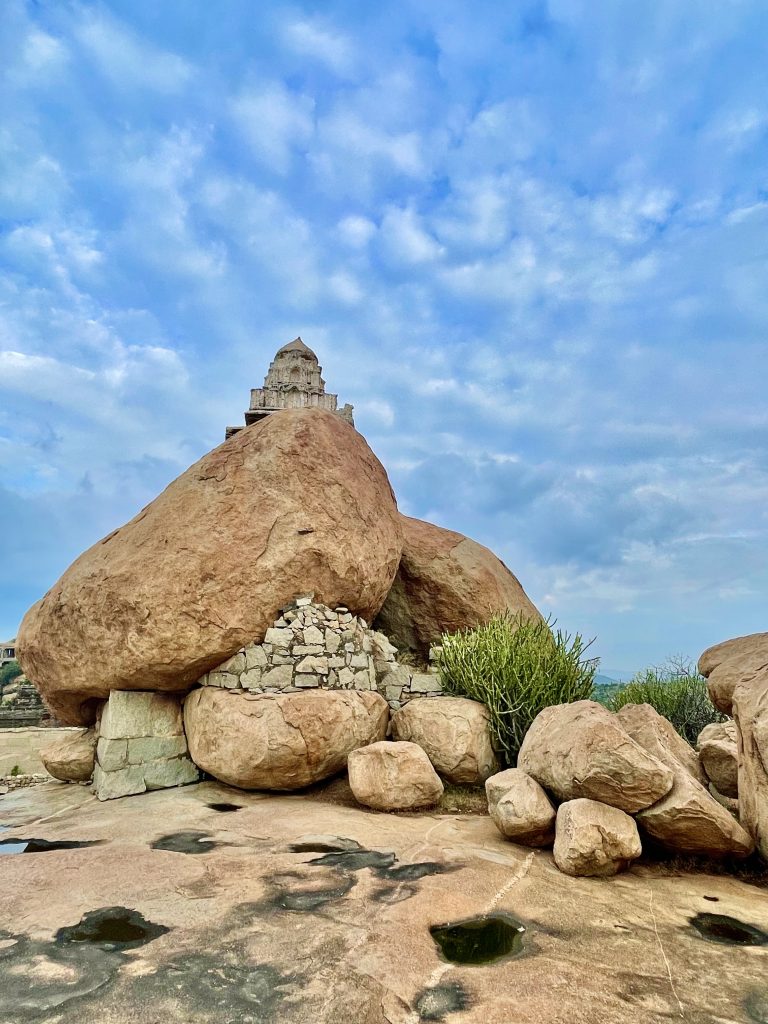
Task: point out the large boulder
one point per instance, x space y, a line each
750 711
687 818
454 733
719 756
581 750
520 809
71 758
296 503
281 741
393 776
730 662
446 582
594 839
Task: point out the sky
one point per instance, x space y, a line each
528 241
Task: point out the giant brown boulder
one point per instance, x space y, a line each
750 712
727 664
296 503
581 750
446 582
282 741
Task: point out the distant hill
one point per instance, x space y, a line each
601 680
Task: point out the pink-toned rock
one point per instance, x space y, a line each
594 839
393 776
281 741
296 503
718 753
453 732
520 809
446 582
730 662
582 750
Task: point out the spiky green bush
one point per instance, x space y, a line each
676 691
515 668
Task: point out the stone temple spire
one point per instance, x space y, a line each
293 381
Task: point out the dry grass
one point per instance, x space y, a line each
455 799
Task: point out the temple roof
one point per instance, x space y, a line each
297 345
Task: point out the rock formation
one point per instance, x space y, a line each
582 750
446 582
71 758
750 712
393 776
296 503
520 808
718 753
726 664
594 839
453 732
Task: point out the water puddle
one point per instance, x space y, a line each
111 928
190 841
323 844
10 846
728 930
356 860
479 940
225 808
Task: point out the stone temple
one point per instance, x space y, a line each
293 381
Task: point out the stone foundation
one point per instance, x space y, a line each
141 745
312 646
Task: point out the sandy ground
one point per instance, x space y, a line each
252 930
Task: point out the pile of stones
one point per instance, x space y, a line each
311 646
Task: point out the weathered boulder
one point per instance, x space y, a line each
719 756
688 818
520 809
592 838
296 503
750 712
393 776
453 732
726 664
659 737
71 758
582 750
446 582
281 741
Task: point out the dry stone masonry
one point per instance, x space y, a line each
311 646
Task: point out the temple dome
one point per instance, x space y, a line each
297 345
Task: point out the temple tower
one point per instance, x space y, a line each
293 381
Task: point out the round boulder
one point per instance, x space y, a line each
295 504
592 838
393 776
281 741
718 751
71 758
581 750
727 664
453 732
446 582
520 809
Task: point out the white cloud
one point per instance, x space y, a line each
356 231
275 121
309 38
405 238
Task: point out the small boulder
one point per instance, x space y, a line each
581 750
719 756
393 776
453 732
520 809
727 664
592 838
688 818
446 582
280 741
71 758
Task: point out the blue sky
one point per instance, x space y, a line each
528 241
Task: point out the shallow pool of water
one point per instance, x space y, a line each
479 940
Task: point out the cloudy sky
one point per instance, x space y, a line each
527 240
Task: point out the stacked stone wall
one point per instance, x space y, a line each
313 646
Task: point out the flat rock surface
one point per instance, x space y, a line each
274 916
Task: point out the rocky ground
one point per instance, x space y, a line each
212 905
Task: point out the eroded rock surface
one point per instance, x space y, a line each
727 664
297 503
446 582
453 732
750 710
582 750
71 758
594 839
659 737
718 753
281 741
520 808
393 776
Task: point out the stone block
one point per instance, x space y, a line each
235 664
125 782
150 748
279 637
393 692
281 658
173 771
301 650
225 679
313 635
111 755
363 681
251 678
255 657
318 665
128 714
425 682
346 678
332 641
358 661
280 676
306 681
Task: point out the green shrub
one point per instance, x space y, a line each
515 668
676 691
9 672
